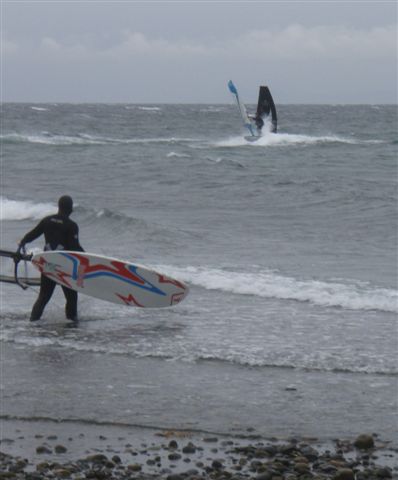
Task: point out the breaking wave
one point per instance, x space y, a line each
150 109
39 109
283 139
181 349
24 209
177 155
268 284
49 139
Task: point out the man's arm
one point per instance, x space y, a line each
33 234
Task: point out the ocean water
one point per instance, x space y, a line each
288 244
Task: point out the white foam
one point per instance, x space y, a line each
150 109
268 284
181 349
24 209
283 139
177 155
211 109
45 138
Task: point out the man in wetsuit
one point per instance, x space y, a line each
60 233
258 121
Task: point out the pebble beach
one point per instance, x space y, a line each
41 451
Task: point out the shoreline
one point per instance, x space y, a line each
34 450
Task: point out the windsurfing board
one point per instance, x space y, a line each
252 138
110 279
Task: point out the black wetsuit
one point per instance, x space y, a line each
259 122
60 233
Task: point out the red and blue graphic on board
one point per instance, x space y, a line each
110 279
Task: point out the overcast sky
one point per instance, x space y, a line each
185 51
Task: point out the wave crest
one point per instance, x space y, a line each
46 138
24 209
283 139
268 284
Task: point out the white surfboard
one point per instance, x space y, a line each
111 279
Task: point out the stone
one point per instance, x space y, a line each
190 448
288 449
43 449
97 474
255 465
309 453
338 463
97 458
62 473
383 472
264 476
344 474
217 464
174 456
173 444
60 449
33 476
364 442
191 472
19 466
301 467
42 466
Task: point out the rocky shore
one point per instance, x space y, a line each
173 455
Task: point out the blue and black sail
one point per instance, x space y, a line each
265 108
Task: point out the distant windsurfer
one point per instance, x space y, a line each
265 107
60 233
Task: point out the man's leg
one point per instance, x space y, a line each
71 303
47 287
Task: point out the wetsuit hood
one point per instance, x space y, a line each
65 205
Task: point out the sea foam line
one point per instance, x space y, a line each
177 352
268 284
284 139
46 138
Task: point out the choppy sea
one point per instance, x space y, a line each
288 244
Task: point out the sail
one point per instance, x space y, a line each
242 109
265 106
